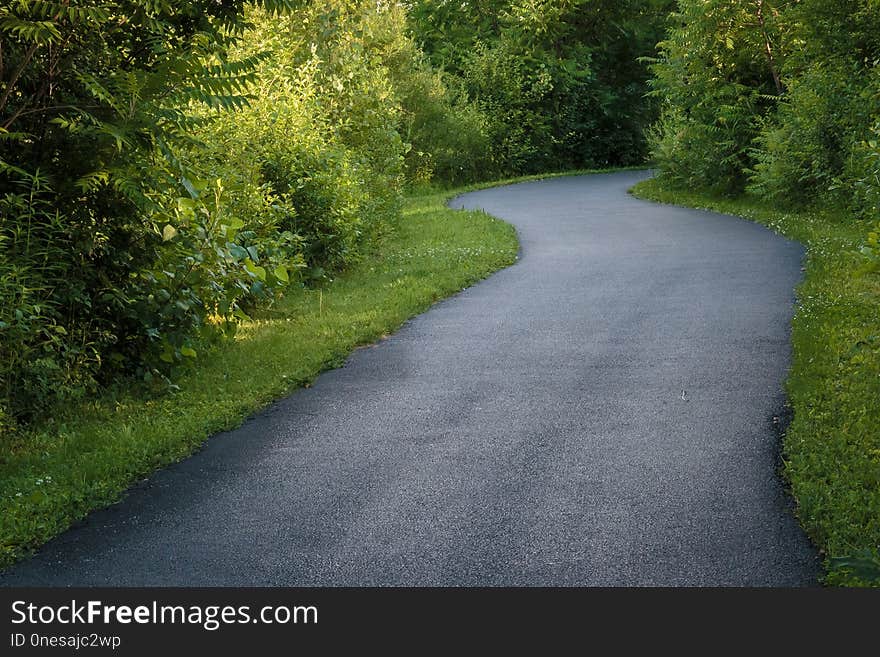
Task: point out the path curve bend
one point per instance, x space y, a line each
600 413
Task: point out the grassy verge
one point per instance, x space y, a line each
87 456
832 447
432 188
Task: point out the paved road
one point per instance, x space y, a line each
598 414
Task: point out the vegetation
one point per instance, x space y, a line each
770 109
780 98
167 168
95 449
117 257
559 82
178 181
832 447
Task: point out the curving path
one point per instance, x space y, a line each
598 414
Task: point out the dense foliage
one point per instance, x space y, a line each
774 105
559 82
114 254
167 167
780 97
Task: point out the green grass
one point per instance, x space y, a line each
437 188
89 455
831 448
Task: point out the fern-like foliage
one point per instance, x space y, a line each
98 103
121 76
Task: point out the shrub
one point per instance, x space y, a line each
814 149
509 90
49 347
558 84
717 77
103 271
865 172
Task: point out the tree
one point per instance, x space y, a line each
97 106
717 77
559 81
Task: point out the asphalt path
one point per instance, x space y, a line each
600 413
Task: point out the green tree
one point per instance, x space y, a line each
717 77
97 106
815 148
559 81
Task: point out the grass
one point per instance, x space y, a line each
88 455
831 449
431 188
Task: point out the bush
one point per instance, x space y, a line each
318 151
813 149
559 85
509 91
717 77
114 263
48 347
866 174
446 134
